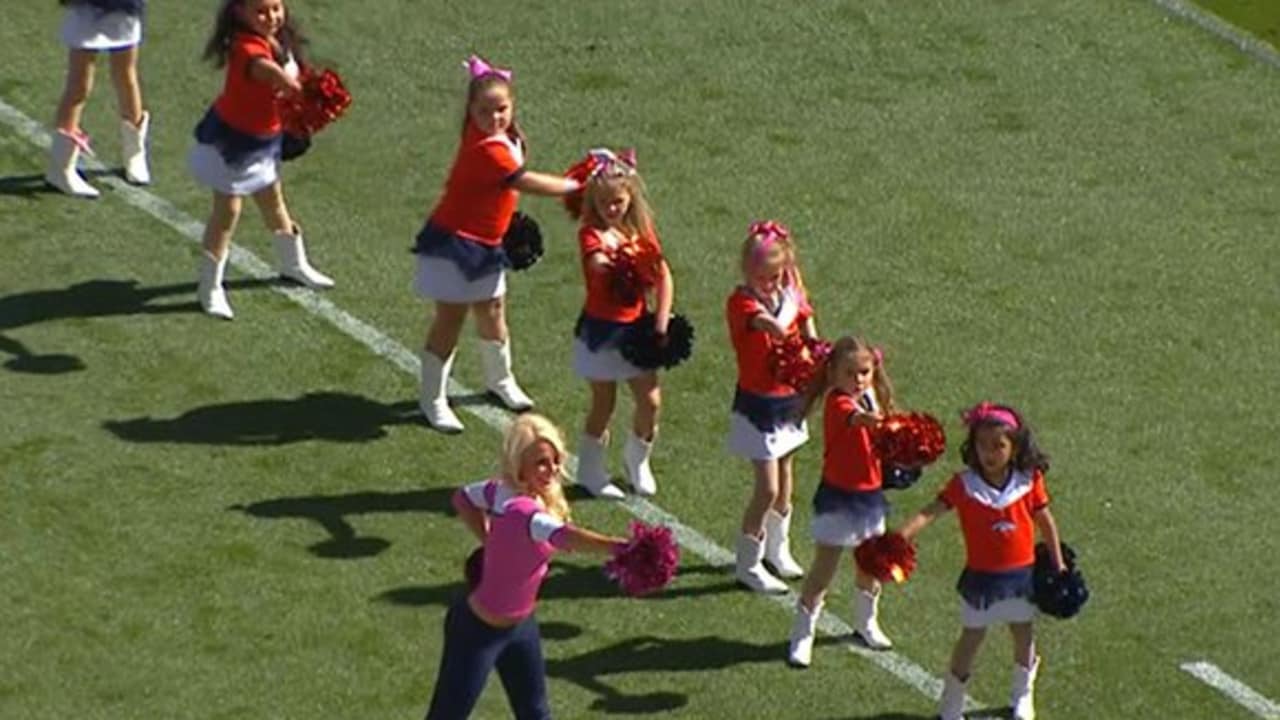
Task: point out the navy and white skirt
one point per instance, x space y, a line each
453 269
232 162
102 25
766 428
846 518
596 354
995 598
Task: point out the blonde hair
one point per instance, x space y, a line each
526 431
638 220
751 247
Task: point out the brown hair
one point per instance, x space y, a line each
227 24
482 83
844 351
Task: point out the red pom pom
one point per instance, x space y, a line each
887 558
647 563
797 360
910 440
635 267
580 172
323 99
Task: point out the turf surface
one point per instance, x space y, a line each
1067 206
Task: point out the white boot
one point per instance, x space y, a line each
1023 694
750 568
951 705
495 356
213 298
133 148
62 172
592 471
291 256
433 397
800 653
635 455
866 622
777 545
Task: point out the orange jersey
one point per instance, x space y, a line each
248 105
602 302
752 346
478 199
998 525
849 460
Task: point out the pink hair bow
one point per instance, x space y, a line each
987 411
604 159
477 67
877 353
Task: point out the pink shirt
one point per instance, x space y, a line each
522 537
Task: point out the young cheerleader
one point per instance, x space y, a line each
238 142
766 424
1001 502
615 214
90 27
461 264
849 506
521 517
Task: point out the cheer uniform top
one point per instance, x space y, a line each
244 123
467 224
765 401
605 317
999 534
522 537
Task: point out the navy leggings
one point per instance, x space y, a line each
472 648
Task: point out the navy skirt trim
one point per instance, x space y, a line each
598 334
768 413
984 589
106 7
238 149
854 503
475 260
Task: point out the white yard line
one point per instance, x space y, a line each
1242 40
402 357
1241 694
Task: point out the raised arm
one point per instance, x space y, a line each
538 183
1049 532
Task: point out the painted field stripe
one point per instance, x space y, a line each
402 357
1243 41
1238 692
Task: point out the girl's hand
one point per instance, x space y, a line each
865 419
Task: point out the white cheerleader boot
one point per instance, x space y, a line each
800 652
1023 691
62 172
291 256
951 704
866 622
433 397
495 356
133 148
635 455
213 297
777 545
750 569
592 473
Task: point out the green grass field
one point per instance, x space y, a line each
1067 206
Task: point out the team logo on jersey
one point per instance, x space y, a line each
1003 526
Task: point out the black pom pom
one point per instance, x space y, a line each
474 568
523 242
293 147
1060 595
897 478
644 349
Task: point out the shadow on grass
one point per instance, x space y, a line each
563 582
90 299
332 513
329 416
30 187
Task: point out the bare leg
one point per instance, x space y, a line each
79 84
446 326
966 650
786 483
222 224
1024 644
648 399
763 497
826 563
275 213
491 319
604 397
124 75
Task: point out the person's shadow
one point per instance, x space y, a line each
333 514
90 299
29 187
328 416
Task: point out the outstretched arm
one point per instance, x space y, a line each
921 520
543 184
1049 531
579 539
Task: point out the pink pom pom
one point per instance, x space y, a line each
647 563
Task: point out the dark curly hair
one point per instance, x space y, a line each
1027 455
227 24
